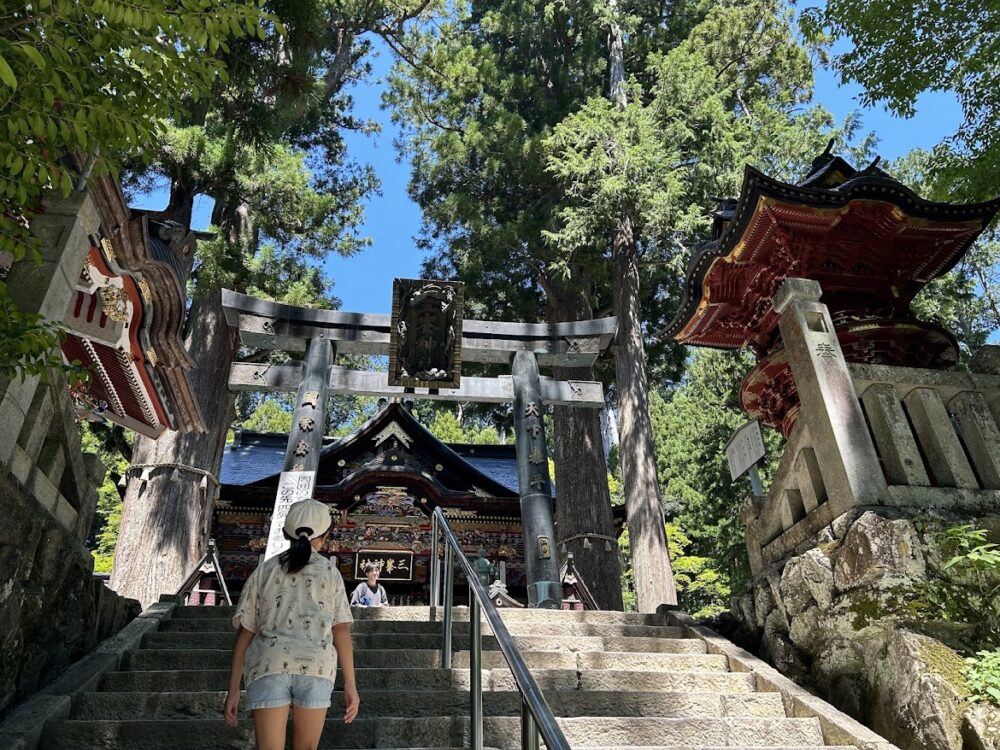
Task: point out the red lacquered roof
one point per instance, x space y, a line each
867 236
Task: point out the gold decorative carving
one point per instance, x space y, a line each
109 251
114 302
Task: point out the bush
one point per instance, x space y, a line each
966 588
982 672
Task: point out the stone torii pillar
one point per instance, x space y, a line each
305 439
538 527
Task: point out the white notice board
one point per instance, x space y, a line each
744 449
292 487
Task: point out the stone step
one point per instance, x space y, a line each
417 703
693 681
501 732
410 641
647 681
401 614
383 658
170 681
224 625
638 661
171 659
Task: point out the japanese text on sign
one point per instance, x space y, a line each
292 487
393 565
745 448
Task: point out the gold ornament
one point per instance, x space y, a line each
114 303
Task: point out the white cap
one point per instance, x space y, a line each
311 515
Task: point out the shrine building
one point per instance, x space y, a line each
383 481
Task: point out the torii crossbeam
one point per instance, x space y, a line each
426 340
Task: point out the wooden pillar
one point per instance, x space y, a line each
540 561
305 440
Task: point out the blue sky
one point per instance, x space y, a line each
364 282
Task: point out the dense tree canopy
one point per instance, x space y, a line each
899 49
92 81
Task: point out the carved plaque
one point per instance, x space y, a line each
425 340
393 565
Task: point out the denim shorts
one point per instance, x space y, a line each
303 691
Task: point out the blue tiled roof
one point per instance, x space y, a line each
260 455
257 456
498 462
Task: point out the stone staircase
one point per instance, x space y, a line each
614 680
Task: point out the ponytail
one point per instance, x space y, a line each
297 555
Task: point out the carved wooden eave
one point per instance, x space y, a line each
143 375
868 235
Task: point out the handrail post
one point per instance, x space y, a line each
538 722
529 731
435 563
475 673
449 586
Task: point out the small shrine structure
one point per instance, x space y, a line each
381 481
816 279
427 341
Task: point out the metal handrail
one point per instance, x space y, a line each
536 716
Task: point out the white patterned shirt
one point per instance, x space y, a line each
292 616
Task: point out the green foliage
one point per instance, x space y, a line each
446 428
982 674
29 344
272 415
109 501
735 91
701 589
900 49
96 77
691 427
966 588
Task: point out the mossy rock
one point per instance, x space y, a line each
945 661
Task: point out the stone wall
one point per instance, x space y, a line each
850 619
52 609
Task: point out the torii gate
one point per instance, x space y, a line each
426 339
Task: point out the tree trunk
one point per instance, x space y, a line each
652 573
165 524
583 502
654 580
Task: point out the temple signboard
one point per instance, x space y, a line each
393 565
425 336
